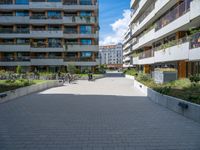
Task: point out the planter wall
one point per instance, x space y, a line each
28 90
172 103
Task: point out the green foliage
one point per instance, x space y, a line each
195 79
163 90
71 69
19 69
131 72
144 77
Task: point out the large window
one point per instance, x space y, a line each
54 0
86 54
22 2
86 42
85 29
22 13
85 2
54 14
85 13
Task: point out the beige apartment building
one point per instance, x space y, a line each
48 35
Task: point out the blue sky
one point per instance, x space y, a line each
109 12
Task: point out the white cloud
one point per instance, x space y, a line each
119 27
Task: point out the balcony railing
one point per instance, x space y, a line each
12 59
146 54
173 14
195 41
172 43
14 31
79 59
6 2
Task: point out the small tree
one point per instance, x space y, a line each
19 69
71 69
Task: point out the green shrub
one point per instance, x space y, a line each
131 72
163 90
144 77
19 69
195 79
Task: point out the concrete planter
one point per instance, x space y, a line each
28 90
164 76
172 103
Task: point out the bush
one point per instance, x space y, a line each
19 69
144 77
131 72
195 79
71 69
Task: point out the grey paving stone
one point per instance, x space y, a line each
108 114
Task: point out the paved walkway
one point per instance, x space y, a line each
107 114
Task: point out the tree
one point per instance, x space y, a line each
19 69
71 69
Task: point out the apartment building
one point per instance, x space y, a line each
111 55
48 35
164 33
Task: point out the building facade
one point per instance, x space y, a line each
48 35
164 34
111 54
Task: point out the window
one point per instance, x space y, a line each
85 2
85 13
22 2
86 54
22 13
86 41
85 29
54 0
54 14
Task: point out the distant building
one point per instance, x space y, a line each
111 55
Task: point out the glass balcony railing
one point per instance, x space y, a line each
176 12
172 43
6 2
195 41
146 54
8 31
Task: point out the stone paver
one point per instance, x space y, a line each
107 114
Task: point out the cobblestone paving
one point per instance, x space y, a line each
107 114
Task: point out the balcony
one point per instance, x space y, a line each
14 47
10 33
74 36
146 57
46 61
194 53
79 48
42 19
79 20
80 7
147 37
173 51
14 19
11 61
81 61
46 34
45 5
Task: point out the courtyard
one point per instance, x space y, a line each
106 114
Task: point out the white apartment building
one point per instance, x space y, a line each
164 33
48 35
111 54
